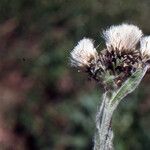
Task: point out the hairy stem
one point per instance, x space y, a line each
104 134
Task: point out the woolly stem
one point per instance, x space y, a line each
104 134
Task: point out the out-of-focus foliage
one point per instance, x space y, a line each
45 104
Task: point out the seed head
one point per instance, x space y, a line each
145 47
83 53
122 37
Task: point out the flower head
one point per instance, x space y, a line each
83 53
122 37
118 61
145 47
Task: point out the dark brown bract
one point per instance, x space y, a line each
114 65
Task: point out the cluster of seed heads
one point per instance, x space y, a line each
118 60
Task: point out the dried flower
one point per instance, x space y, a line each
118 61
83 53
122 37
145 48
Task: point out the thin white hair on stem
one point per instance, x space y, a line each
122 37
145 46
83 53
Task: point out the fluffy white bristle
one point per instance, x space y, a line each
145 45
122 37
83 52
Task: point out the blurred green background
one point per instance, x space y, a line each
45 104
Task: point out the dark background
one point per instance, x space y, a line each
45 104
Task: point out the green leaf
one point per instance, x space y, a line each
129 85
